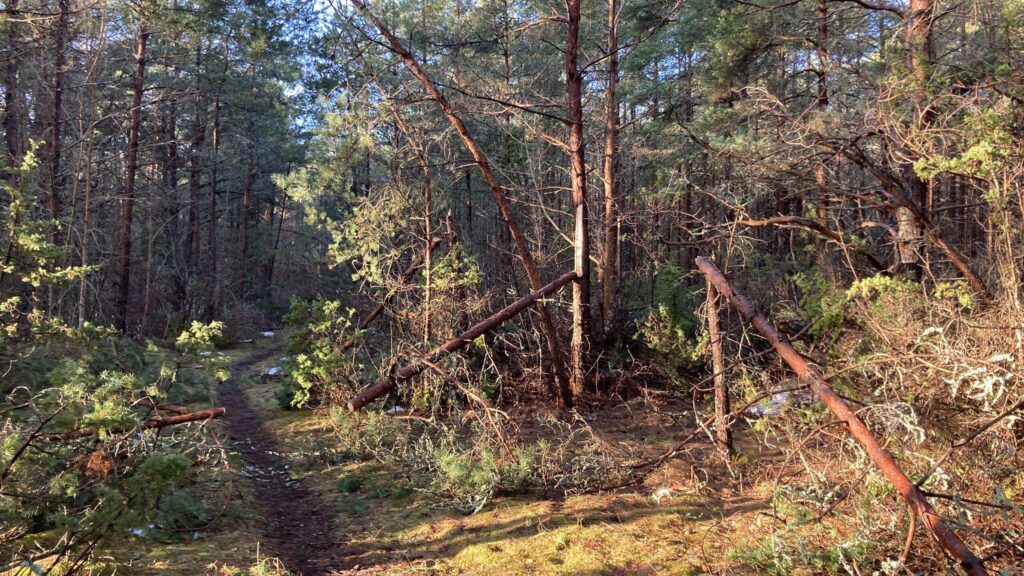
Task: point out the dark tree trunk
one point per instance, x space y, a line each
12 103
131 167
56 197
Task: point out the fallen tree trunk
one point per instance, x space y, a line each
386 383
208 414
376 312
197 416
879 455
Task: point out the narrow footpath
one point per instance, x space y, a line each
298 529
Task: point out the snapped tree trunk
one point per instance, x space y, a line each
878 455
131 167
581 216
723 434
483 163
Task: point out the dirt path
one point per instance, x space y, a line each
298 527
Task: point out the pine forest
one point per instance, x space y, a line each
489 287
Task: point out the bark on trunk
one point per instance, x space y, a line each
12 120
56 121
909 229
723 434
213 280
879 455
612 208
131 167
12 104
578 178
195 179
821 102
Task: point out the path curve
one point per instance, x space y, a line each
298 528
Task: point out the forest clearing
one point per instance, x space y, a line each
509 287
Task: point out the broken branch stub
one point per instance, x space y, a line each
860 432
383 385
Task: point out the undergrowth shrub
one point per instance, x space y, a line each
322 344
679 343
468 468
77 461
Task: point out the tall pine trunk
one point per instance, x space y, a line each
131 167
612 204
578 181
919 47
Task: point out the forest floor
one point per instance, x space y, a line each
320 516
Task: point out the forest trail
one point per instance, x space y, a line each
298 529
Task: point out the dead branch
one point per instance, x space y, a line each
386 383
814 228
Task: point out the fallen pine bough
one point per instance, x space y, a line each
938 529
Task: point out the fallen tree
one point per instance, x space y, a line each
180 418
386 383
860 432
198 415
493 184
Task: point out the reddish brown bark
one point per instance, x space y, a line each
181 418
578 180
386 383
208 414
860 432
